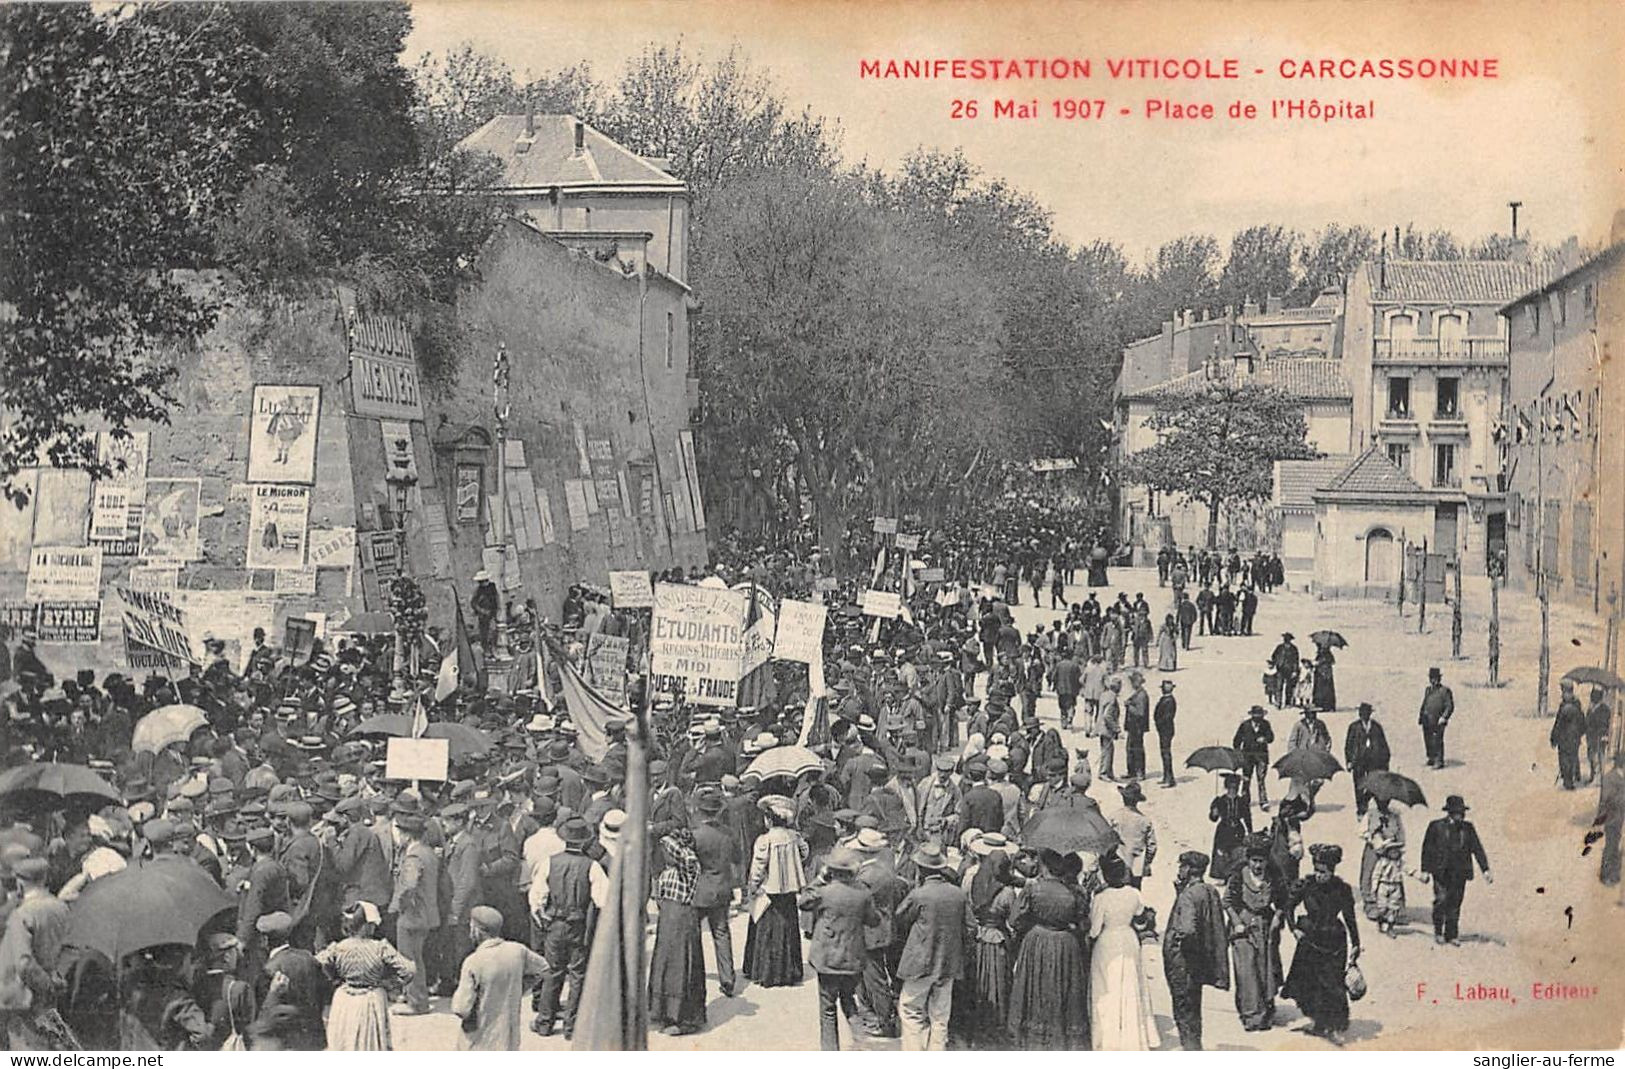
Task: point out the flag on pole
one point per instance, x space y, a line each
445 684
458 664
614 1014
420 718
590 711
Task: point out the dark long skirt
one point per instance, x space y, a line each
982 998
1097 573
677 968
773 944
1049 993
1315 981
1325 688
1257 960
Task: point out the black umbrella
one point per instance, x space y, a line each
1306 762
39 782
1328 638
168 900
1068 830
1392 787
1216 759
1597 677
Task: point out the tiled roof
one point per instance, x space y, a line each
1468 281
1306 379
551 159
1297 480
1371 473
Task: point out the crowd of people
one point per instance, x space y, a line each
938 863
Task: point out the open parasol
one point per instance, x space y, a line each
1328 638
1216 759
1597 677
1306 762
1068 830
54 784
169 900
789 761
465 741
166 726
1392 787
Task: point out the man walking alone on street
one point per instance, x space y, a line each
1163 720
1438 705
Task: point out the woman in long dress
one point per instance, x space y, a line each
1325 685
1328 940
1049 991
993 896
1382 873
677 963
1119 1000
1254 899
364 970
777 875
1168 645
1232 817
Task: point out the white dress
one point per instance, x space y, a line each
1119 997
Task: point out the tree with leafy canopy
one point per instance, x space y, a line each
123 137
1219 444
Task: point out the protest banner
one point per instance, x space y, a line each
152 619
631 590
801 631
826 583
885 525
282 434
910 542
933 575
144 658
417 759
169 519
697 640
298 638
606 665
277 518
64 573
883 603
70 622
761 615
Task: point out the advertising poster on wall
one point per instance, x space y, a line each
127 457
282 434
110 512
64 573
169 520
575 499
278 516
331 547
72 623
400 459
691 471
62 507
469 486
544 509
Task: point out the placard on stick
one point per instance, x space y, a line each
416 759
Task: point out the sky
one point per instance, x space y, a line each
1437 154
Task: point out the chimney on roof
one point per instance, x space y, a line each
581 137
530 118
1273 304
1249 309
1514 205
1382 263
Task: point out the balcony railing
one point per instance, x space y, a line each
1446 481
1433 351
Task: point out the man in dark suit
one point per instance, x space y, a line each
1438 706
264 891
842 911
292 978
416 906
1448 851
718 851
359 863
302 860
1365 750
933 914
877 872
1253 738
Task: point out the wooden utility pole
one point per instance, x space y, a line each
1544 679
1455 615
1422 590
1495 632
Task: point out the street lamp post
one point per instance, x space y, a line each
501 409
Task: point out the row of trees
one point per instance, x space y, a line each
891 342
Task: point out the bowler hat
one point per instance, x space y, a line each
1455 804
